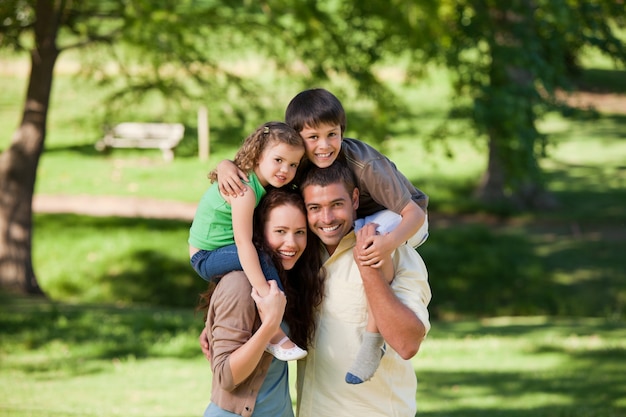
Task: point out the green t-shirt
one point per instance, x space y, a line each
212 225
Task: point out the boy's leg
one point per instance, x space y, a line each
386 220
368 358
373 345
422 234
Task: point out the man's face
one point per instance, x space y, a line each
322 143
330 212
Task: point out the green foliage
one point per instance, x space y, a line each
509 61
173 57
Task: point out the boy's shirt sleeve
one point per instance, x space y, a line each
381 184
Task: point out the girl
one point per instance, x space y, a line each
220 237
245 380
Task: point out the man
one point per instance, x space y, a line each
400 310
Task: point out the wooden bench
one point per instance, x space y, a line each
163 136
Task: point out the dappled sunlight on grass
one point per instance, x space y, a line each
138 361
522 366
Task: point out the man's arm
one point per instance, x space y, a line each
399 325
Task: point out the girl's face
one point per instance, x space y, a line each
285 232
278 164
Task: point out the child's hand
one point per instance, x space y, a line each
230 179
373 249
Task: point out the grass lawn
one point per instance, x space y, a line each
95 360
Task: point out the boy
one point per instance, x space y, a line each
387 197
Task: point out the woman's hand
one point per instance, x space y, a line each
271 307
204 344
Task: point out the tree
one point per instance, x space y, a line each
511 58
18 164
152 38
508 60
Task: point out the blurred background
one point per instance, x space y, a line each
511 117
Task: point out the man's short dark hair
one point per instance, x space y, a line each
338 172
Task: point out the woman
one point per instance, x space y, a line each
246 380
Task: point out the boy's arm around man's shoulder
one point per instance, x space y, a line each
400 309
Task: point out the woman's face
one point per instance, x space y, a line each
285 232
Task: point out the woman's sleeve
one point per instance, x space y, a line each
231 321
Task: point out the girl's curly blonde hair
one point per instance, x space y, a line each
248 155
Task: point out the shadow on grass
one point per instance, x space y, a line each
602 81
579 391
586 375
72 339
481 270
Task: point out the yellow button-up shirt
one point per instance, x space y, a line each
322 390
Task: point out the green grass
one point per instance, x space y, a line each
97 360
115 260
61 359
523 367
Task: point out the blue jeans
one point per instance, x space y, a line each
211 263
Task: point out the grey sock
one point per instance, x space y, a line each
367 360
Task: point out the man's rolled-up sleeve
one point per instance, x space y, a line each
410 283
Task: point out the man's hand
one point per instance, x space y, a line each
230 179
204 344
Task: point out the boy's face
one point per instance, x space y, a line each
322 143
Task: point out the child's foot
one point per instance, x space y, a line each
285 354
367 360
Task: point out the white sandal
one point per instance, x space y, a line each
282 354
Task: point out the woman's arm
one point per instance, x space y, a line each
235 347
271 309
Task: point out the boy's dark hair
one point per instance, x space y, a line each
338 172
315 107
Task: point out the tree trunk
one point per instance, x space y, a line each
18 164
491 187
513 175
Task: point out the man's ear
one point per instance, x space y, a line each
355 198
